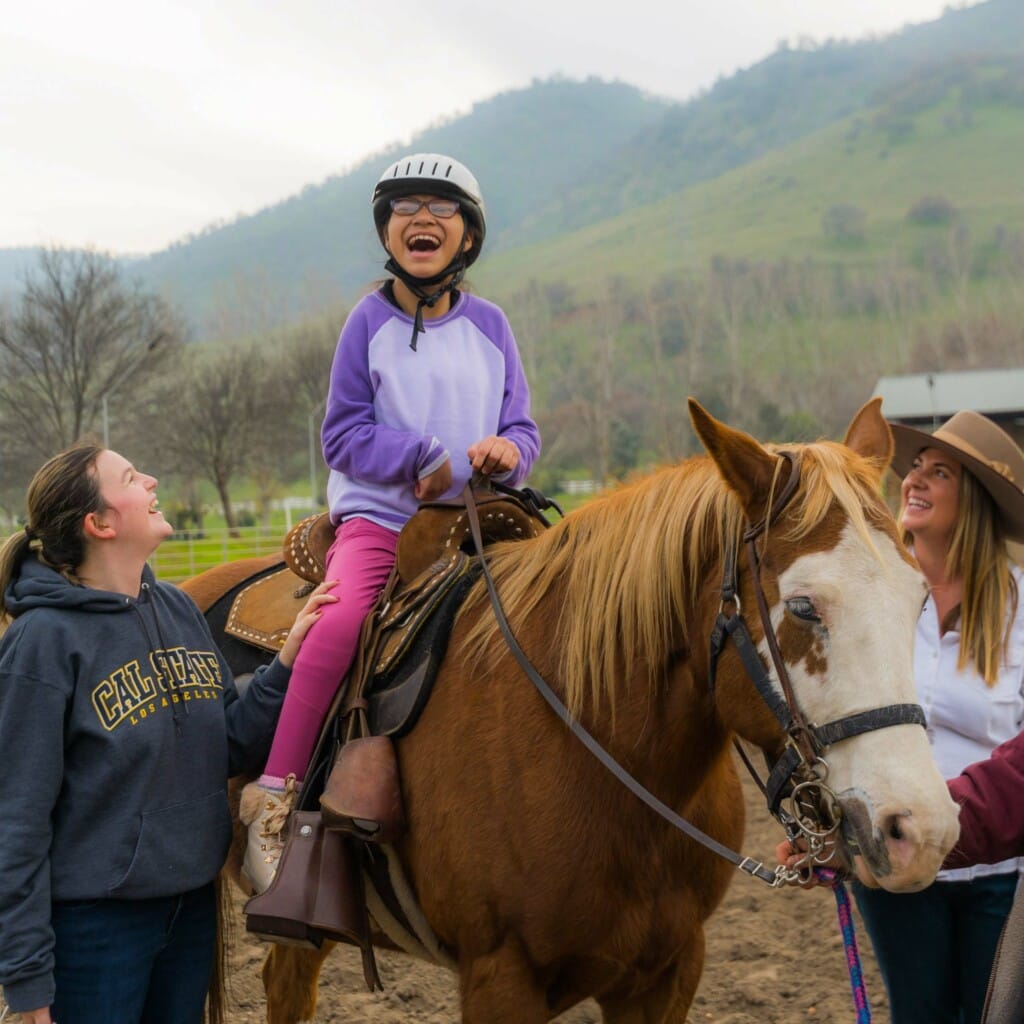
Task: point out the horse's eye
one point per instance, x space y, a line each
803 608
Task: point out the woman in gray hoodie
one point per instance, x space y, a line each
126 724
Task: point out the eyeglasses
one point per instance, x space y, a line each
406 206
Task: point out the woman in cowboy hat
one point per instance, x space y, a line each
961 504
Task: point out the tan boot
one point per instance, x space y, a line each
264 812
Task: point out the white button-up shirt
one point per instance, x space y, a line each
966 718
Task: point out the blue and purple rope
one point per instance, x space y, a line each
860 994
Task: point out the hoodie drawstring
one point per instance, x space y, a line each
164 670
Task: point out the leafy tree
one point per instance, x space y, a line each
932 210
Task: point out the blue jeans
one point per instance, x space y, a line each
134 961
935 947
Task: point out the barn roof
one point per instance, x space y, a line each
933 397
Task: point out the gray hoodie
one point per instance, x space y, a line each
121 724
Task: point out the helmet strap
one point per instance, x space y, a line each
420 286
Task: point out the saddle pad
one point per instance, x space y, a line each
403 677
263 612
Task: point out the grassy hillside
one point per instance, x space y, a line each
580 168
777 293
879 161
789 95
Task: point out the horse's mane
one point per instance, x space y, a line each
634 562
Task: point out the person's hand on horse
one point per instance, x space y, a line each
307 616
493 455
434 485
791 853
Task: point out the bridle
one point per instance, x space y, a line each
799 775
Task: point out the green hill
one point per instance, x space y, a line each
788 96
305 251
954 133
573 171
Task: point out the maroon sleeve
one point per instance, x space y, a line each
991 798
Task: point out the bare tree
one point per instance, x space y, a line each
960 265
304 353
901 295
222 406
533 325
79 334
732 299
302 364
16 469
595 378
668 338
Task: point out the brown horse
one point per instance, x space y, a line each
543 878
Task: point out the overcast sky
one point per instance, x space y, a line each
124 126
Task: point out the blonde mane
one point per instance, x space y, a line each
633 564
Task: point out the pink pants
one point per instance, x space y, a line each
360 559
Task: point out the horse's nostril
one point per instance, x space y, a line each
895 831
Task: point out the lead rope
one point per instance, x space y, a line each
828 877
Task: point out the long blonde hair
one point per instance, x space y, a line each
64 490
978 556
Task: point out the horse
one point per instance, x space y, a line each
543 877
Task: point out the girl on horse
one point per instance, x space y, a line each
426 389
125 723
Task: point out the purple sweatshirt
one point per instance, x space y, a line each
394 415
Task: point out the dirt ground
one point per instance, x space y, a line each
774 957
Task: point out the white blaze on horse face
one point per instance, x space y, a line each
861 657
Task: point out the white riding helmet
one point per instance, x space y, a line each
432 174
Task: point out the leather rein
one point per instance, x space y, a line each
800 772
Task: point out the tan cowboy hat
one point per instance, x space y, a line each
980 446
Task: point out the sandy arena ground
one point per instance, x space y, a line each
774 957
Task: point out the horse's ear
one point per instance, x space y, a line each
869 435
745 466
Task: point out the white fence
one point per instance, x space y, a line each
192 551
